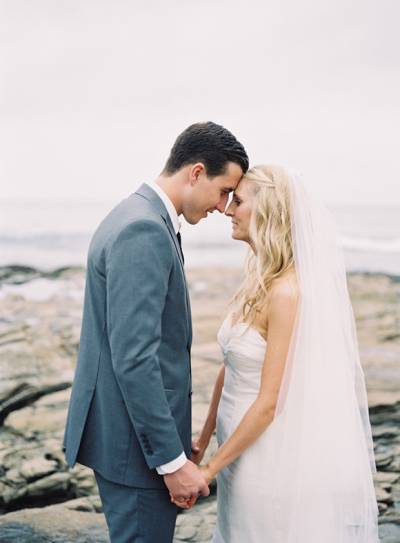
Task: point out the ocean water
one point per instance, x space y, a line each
52 234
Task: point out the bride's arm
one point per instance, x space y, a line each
201 444
281 317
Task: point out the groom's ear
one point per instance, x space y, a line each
195 172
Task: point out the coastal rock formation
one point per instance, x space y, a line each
42 499
76 521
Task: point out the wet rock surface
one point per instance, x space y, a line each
76 521
42 500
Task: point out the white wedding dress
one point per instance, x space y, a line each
242 496
248 509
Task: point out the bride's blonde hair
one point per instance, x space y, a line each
270 234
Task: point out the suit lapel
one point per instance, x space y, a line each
179 251
147 192
175 240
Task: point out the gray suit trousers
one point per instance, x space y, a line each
137 515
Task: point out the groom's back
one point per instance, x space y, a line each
99 430
131 209
134 208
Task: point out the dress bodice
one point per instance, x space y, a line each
243 348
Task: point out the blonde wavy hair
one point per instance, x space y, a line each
271 237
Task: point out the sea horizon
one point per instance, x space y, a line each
48 234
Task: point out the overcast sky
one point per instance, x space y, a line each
93 93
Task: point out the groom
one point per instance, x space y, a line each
129 416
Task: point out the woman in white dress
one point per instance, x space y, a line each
295 457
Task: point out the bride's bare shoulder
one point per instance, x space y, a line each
285 287
284 297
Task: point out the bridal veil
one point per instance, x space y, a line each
319 464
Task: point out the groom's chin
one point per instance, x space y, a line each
194 219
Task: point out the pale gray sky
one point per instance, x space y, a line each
93 93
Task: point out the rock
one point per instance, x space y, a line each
383 460
50 486
17 274
37 468
38 345
197 524
383 496
57 523
90 504
37 473
15 478
53 482
386 477
385 432
389 533
382 508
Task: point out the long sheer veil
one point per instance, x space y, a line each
320 463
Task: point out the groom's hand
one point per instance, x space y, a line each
186 483
188 504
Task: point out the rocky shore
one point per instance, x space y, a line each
41 499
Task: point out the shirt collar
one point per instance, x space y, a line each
169 206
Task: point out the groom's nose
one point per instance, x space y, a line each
221 206
229 212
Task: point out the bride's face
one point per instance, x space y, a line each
240 210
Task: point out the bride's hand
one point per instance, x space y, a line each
198 452
205 470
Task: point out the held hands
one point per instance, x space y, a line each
189 503
186 484
197 456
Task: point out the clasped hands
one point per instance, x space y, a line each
189 482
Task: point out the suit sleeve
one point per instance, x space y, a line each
138 269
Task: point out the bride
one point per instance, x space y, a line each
295 457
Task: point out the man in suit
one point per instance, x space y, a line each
129 416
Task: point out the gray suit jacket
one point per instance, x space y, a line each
130 407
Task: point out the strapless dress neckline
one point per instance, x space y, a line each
238 329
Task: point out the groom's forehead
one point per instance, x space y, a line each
230 183
227 183
232 176
230 186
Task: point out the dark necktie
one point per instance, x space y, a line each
178 235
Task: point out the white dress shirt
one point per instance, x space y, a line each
169 205
177 463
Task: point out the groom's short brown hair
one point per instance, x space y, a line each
209 143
